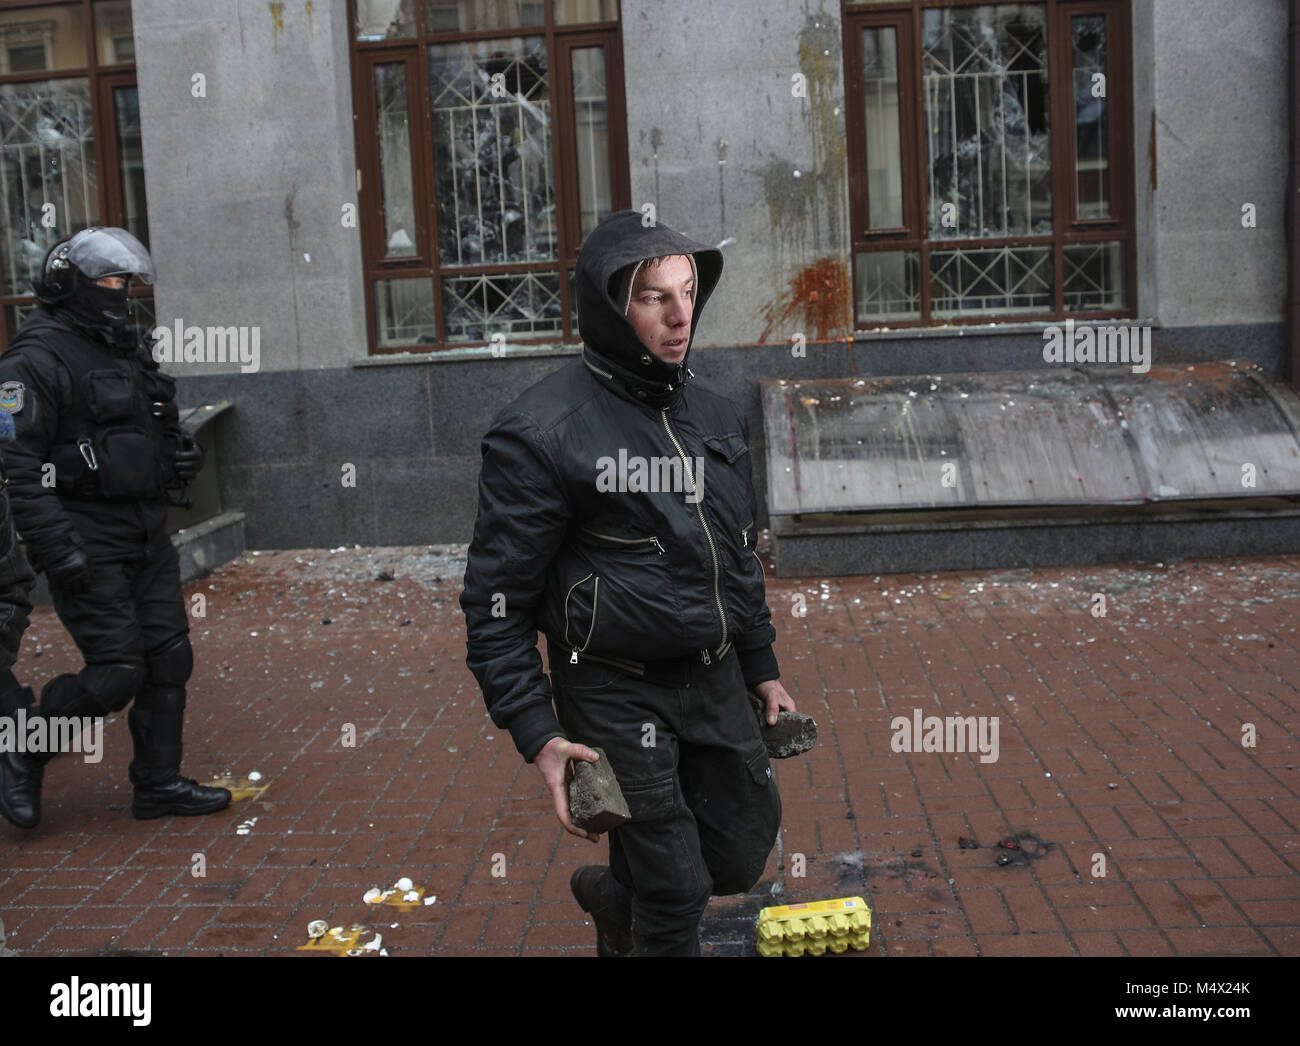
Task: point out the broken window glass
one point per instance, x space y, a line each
47 173
987 121
492 151
524 304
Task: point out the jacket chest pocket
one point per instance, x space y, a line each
729 447
110 395
728 496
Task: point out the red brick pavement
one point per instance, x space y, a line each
1120 744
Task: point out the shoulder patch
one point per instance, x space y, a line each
11 396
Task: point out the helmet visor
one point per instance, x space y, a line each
110 252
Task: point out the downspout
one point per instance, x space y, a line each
1293 203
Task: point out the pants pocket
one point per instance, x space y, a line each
650 800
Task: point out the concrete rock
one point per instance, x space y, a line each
793 734
596 803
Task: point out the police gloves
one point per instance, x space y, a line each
71 572
188 459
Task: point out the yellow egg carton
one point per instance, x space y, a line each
815 928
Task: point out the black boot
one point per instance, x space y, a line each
20 788
608 903
180 795
21 773
155 770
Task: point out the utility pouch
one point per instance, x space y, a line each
127 464
109 395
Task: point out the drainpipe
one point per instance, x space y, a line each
1293 204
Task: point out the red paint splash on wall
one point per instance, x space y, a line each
819 296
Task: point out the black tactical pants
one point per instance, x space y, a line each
132 630
691 763
134 608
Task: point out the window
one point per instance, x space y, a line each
491 137
70 153
990 160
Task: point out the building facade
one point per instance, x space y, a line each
365 213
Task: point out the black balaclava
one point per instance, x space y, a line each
101 312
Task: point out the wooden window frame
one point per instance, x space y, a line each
102 81
560 41
1067 228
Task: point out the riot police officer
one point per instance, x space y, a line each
98 445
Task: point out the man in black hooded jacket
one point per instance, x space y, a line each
616 515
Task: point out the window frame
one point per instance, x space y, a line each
560 39
1068 230
102 81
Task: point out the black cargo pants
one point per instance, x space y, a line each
690 760
133 612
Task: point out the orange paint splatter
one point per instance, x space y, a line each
819 295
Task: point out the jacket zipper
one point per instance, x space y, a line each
744 535
626 541
592 367
699 509
595 597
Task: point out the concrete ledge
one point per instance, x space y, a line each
998 544
207 545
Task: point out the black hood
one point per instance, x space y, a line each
618 241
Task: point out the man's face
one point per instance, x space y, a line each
115 283
663 299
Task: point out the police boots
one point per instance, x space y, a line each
20 788
155 721
21 773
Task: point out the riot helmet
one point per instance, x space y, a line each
73 265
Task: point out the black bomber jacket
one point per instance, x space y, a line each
616 508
